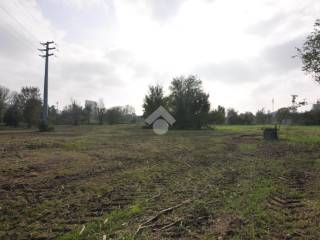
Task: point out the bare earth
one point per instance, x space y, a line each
125 182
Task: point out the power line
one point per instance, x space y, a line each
26 10
19 39
21 5
20 24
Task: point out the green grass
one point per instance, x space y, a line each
297 134
107 180
107 225
241 128
248 147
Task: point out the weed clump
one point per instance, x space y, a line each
45 127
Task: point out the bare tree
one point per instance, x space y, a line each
101 111
87 111
4 98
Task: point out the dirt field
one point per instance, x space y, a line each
125 182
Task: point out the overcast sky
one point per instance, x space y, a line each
115 49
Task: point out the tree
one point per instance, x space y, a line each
32 112
87 111
246 118
101 110
12 117
232 116
114 115
129 114
310 53
72 114
75 110
154 99
282 114
4 97
188 103
28 93
261 117
24 106
217 116
53 114
117 115
30 102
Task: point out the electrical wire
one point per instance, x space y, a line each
19 39
20 24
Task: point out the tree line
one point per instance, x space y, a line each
187 102
190 106
25 108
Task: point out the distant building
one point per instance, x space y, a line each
316 106
286 121
94 109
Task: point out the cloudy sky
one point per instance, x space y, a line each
115 49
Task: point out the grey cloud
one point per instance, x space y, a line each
272 61
268 26
15 44
235 71
282 21
121 57
81 79
279 57
89 72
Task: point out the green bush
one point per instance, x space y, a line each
45 127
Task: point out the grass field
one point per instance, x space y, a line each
125 182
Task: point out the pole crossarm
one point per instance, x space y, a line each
47 43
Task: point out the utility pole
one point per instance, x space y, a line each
45 92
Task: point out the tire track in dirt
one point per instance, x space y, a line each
54 188
295 214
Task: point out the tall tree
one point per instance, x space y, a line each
129 114
53 114
30 102
114 115
75 110
218 116
261 117
13 114
101 111
32 111
154 99
282 114
188 103
232 116
4 97
310 53
87 111
246 118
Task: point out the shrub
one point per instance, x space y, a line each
45 127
